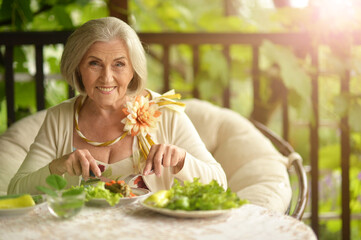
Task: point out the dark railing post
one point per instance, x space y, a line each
227 88
285 120
9 84
195 64
255 75
71 91
314 144
119 9
345 164
39 78
166 85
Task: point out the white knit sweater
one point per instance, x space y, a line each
55 139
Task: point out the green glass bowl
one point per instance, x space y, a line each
64 207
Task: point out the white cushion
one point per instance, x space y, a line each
14 145
254 168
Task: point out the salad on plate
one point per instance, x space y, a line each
194 199
112 193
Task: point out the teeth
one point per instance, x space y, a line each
106 89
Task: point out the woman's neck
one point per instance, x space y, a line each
91 108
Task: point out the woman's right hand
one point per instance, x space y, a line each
77 163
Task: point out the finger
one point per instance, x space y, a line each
157 159
77 168
149 163
80 162
90 165
84 167
167 157
178 165
177 156
94 167
69 168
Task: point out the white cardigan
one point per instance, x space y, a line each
55 139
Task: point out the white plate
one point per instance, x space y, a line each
20 211
101 202
187 214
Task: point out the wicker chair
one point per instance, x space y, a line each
16 140
236 144
295 165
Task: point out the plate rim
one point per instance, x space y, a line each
20 210
188 214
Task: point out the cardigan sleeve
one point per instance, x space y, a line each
34 168
52 141
199 162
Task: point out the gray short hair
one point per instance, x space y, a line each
103 30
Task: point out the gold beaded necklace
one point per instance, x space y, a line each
81 135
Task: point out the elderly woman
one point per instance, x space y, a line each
115 127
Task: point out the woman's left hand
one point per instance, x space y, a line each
165 155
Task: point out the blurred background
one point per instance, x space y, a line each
296 69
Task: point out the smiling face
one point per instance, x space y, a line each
106 71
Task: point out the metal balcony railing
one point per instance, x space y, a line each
195 40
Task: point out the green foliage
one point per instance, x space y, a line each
3 116
25 95
355 189
20 59
63 17
212 76
355 116
18 11
348 104
329 156
19 15
2 91
294 69
56 92
293 74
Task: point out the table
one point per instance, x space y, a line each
133 221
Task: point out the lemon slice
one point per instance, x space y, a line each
17 202
158 199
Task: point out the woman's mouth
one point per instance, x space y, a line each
106 89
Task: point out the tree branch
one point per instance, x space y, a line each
41 10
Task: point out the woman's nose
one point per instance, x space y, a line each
107 74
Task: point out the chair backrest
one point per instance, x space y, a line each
211 121
255 169
14 145
295 162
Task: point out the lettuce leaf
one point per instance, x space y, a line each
198 196
99 191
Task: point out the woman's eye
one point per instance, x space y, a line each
93 63
119 64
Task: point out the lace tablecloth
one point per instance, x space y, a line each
133 221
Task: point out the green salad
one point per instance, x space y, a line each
194 196
99 191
